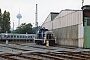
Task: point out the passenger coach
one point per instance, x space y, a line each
9 36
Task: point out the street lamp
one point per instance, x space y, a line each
26 37
6 38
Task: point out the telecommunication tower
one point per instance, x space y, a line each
19 16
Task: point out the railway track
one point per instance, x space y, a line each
62 55
17 57
47 56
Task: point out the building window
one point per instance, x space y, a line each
88 22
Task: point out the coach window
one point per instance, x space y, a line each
14 36
23 36
20 36
17 36
4 35
8 36
11 36
29 36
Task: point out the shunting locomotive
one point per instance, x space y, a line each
44 35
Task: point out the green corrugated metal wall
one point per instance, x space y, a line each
86 32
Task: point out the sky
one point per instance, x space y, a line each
28 9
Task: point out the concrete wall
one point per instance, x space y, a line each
80 35
67 35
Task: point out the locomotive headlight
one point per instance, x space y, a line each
44 39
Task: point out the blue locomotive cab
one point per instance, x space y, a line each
41 33
44 35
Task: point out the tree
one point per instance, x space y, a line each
23 28
5 22
0 20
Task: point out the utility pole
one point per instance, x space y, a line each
13 25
